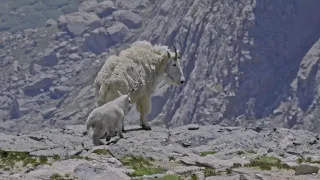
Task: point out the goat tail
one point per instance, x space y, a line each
88 126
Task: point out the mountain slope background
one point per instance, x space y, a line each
247 62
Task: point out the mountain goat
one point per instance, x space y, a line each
142 62
108 118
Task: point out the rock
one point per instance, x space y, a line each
51 22
128 18
15 109
314 158
58 91
262 151
259 177
213 162
114 175
60 151
231 177
85 171
34 69
244 177
38 87
63 44
68 166
67 116
48 112
7 60
88 5
186 169
104 9
49 59
97 41
74 56
193 127
133 4
186 143
77 23
60 35
118 32
303 169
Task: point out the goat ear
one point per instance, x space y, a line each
169 55
119 93
178 54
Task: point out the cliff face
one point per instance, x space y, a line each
244 60
250 63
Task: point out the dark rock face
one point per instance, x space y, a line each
38 86
15 109
241 59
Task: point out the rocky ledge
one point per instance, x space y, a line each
187 152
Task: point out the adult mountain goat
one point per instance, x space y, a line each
141 62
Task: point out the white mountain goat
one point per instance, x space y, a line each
142 62
108 118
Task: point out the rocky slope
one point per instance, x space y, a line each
247 62
202 152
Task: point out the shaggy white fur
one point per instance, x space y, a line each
143 63
108 119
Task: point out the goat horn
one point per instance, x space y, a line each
175 51
180 44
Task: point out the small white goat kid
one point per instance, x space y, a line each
108 118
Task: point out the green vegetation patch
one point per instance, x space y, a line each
207 153
229 171
210 172
11 159
240 153
169 177
194 177
267 162
141 165
307 160
102 152
57 176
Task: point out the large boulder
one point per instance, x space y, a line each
97 41
49 59
119 32
77 23
127 17
88 5
104 9
133 4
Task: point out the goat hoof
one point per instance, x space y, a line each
146 127
108 138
